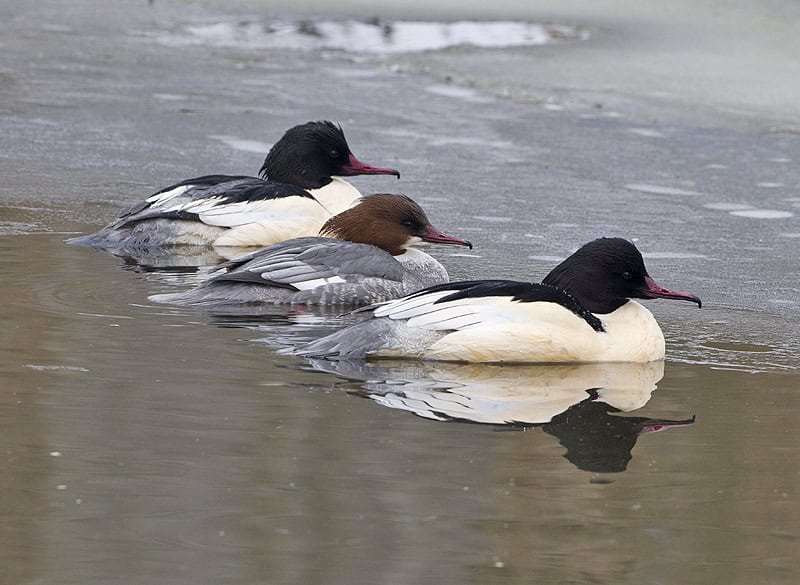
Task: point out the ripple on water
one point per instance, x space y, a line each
762 213
672 255
646 132
462 93
724 206
493 219
659 189
54 368
170 97
242 143
546 258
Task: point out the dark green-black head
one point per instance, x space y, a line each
603 274
310 154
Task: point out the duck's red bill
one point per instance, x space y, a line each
356 167
654 290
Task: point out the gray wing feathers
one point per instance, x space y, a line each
310 259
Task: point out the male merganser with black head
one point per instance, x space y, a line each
362 256
582 312
297 191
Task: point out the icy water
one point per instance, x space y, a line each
152 444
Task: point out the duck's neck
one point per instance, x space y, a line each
336 196
422 265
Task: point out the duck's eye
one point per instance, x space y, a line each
333 153
627 275
408 223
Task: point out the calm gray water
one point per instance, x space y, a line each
152 444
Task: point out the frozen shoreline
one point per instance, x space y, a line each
735 61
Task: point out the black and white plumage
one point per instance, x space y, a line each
368 260
296 192
582 312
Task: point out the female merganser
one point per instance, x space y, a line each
581 312
361 257
296 193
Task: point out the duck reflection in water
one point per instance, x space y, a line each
577 403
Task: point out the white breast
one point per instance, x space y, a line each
336 196
277 220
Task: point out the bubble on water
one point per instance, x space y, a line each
659 189
763 213
723 206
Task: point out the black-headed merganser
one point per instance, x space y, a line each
297 190
581 312
362 256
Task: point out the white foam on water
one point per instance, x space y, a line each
790 235
768 185
243 144
763 213
722 206
659 190
781 159
716 166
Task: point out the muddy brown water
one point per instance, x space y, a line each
152 444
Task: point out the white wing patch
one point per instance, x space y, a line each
162 198
309 284
283 209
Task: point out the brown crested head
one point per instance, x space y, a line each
391 222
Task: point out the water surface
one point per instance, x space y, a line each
157 444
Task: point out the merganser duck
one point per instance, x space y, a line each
362 256
582 312
296 192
